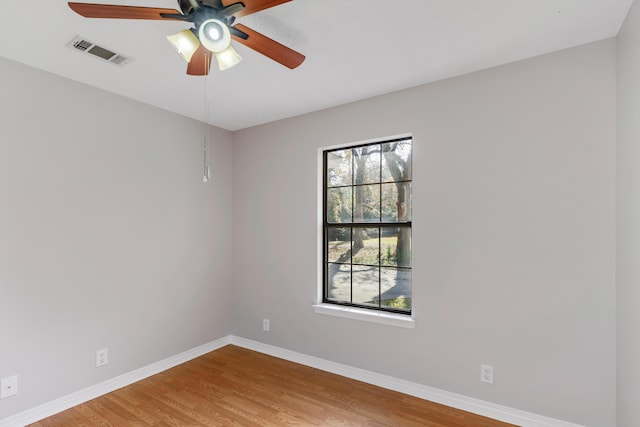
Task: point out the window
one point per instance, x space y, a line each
367 226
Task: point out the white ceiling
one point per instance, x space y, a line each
355 49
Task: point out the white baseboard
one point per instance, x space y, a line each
51 408
476 406
458 401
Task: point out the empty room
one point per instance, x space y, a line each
296 212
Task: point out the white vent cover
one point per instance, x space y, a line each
83 45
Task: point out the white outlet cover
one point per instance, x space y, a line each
486 374
8 386
102 357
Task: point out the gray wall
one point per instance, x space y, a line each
628 221
514 234
108 237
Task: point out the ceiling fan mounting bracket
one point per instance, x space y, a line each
178 16
237 33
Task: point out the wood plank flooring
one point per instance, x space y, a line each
233 386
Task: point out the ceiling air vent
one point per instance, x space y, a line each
85 46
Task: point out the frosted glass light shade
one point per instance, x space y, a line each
227 58
214 35
185 43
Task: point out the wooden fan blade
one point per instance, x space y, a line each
200 62
270 48
253 6
89 10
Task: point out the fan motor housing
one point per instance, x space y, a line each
186 6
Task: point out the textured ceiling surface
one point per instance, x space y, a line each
355 49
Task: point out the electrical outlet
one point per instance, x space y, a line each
266 325
102 357
8 386
486 374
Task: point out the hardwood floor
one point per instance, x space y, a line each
233 386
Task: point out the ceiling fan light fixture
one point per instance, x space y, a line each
227 58
214 22
214 35
185 43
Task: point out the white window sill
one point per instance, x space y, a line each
391 319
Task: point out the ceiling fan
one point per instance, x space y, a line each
212 32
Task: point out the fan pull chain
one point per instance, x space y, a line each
206 175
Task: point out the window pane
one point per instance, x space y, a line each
339 245
339 205
339 168
388 246
395 247
367 164
367 203
396 161
339 282
396 202
395 285
366 246
366 285
403 251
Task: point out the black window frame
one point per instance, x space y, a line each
361 224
